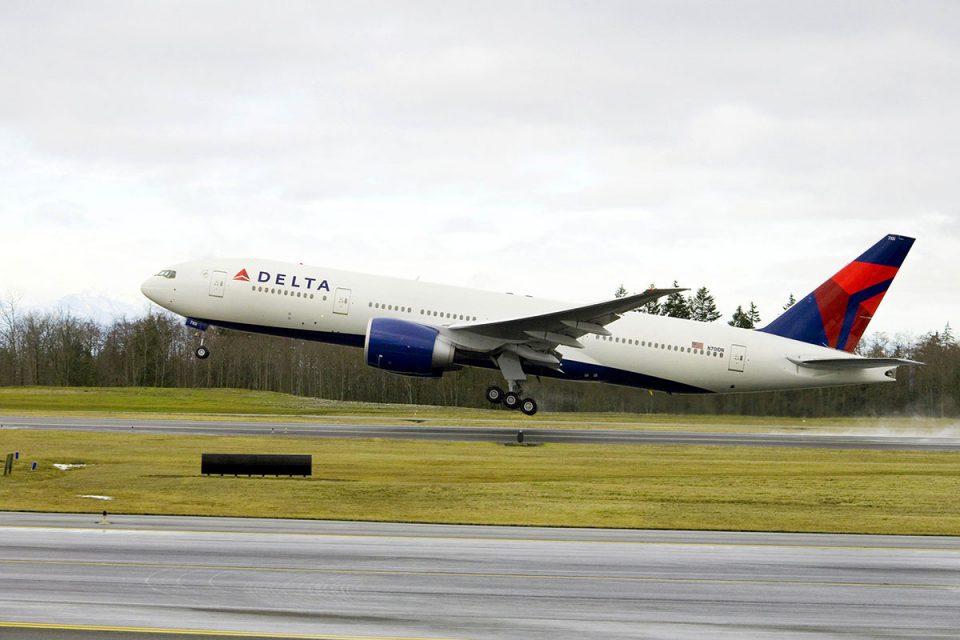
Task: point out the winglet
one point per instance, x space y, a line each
837 313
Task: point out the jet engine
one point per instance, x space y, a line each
407 348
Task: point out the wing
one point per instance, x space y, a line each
534 339
846 364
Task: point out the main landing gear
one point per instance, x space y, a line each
512 399
509 364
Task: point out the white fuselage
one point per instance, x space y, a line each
643 350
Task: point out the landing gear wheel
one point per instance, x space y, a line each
494 395
202 352
528 406
511 400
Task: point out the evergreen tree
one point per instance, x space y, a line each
703 308
753 315
947 337
621 291
739 318
790 302
745 319
653 307
677 305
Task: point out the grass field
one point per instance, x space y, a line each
227 404
564 485
732 488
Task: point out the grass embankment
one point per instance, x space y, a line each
232 404
564 485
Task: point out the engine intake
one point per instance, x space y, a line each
407 348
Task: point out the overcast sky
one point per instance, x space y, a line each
551 148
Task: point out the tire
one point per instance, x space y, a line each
511 400
202 352
494 395
528 406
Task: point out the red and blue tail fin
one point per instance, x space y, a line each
837 313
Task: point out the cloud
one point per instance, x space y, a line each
748 146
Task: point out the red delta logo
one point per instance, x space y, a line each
242 276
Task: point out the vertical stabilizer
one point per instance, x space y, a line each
837 313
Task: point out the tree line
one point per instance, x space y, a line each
156 350
701 307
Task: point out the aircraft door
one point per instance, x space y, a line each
341 302
218 283
738 357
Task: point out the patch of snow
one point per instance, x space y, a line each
97 497
67 467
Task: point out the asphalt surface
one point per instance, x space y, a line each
414 431
71 576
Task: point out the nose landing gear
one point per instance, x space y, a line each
201 352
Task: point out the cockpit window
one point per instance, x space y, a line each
167 273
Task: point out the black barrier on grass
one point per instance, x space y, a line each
256 464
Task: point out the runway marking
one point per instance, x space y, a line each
471 574
760 545
197 632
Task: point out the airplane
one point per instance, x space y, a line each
416 328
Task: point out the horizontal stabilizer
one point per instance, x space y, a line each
846 364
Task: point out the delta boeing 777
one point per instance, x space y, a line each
419 329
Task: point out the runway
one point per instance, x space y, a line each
178 577
413 431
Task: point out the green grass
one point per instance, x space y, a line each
729 488
227 404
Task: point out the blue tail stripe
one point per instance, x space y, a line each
889 252
851 314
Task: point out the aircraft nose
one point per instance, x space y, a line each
159 290
151 289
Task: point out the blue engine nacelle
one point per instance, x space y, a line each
407 348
